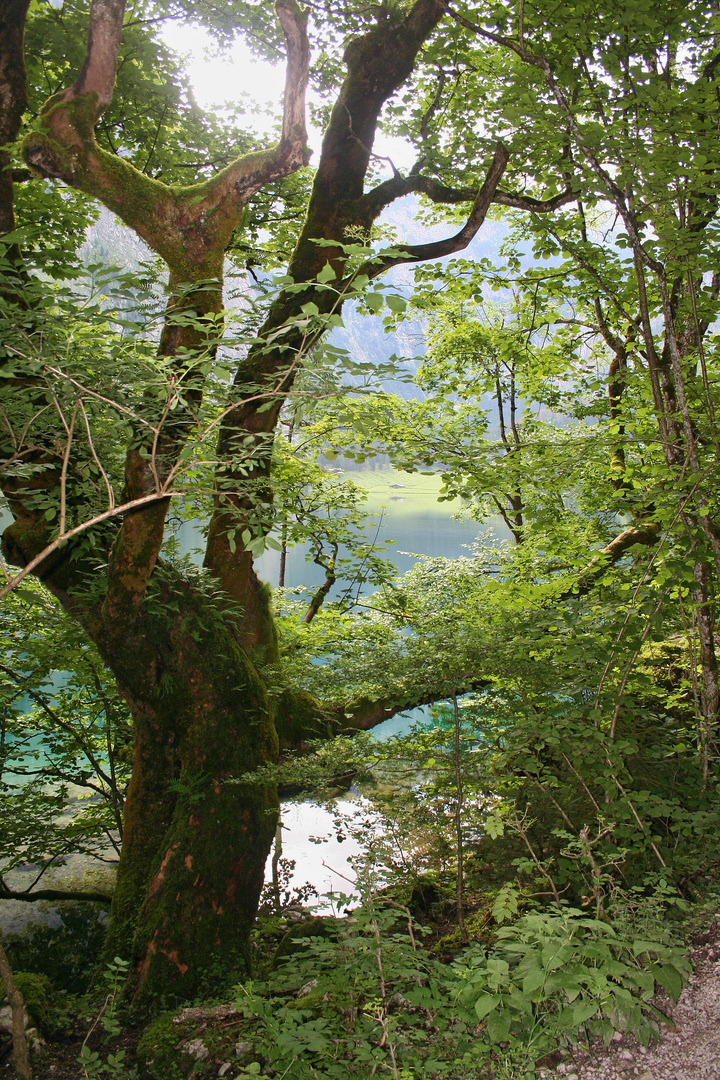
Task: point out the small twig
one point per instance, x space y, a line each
64 469
91 444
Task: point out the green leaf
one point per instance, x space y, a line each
326 274
533 980
486 1004
498 1025
396 303
30 597
669 978
583 1010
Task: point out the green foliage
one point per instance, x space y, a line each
91 1061
371 995
65 954
66 739
582 767
554 974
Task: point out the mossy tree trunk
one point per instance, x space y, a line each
195 844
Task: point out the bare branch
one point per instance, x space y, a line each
52 894
64 469
123 508
91 444
97 75
436 250
294 27
399 186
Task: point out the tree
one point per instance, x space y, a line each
631 290
547 98
188 664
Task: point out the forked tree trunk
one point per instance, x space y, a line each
195 841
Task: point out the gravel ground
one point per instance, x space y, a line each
688 1051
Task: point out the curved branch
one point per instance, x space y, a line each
399 186
365 714
646 534
439 248
330 579
190 227
125 508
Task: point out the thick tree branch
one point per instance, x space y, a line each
646 534
439 248
378 63
97 75
294 26
190 227
365 713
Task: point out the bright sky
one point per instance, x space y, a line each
217 80
220 79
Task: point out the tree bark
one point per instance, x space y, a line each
21 1057
196 836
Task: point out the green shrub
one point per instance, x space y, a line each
38 996
552 974
374 999
66 954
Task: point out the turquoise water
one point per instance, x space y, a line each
405 513
408 512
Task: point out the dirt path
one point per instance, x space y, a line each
689 1052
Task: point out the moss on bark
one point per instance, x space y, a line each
197 829
299 718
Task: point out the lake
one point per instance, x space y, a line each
419 525
407 508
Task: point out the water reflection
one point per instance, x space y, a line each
419 524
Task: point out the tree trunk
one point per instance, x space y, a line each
195 841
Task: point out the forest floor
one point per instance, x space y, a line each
689 1050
